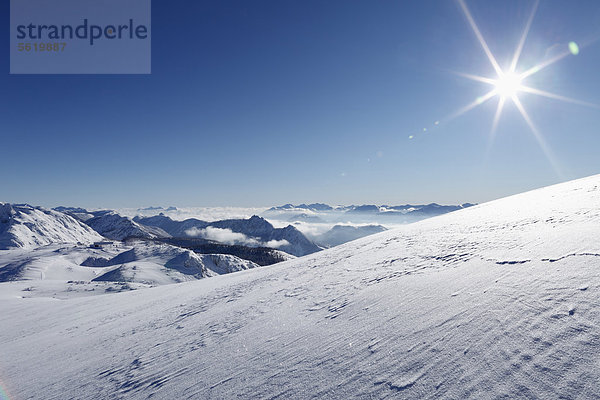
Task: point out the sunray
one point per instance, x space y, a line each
480 38
476 78
501 101
517 54
537 68
478 101
558 97
538 136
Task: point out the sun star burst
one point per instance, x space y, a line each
507 84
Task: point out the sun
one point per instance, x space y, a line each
508 85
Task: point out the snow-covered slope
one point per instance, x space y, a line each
499 300
59 271
140 262
162 264
22 225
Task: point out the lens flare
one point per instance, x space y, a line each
573 48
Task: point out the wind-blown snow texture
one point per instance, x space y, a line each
24 226
495 301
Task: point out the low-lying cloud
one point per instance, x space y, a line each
227 236
221 235
275 244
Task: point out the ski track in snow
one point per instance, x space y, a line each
496 301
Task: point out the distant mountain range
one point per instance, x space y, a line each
168 209
74 249
311 207
252 232
27 226
406 209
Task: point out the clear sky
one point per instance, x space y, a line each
255 103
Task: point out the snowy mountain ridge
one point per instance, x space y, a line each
25 226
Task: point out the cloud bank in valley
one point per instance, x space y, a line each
227 236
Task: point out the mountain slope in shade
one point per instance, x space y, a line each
78 213
113 226
495 301
22 225
257 227
260 255
172 227
256 230
340 234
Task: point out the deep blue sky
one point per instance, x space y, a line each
265 102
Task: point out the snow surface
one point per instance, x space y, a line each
499 300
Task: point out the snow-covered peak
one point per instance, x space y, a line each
22 225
